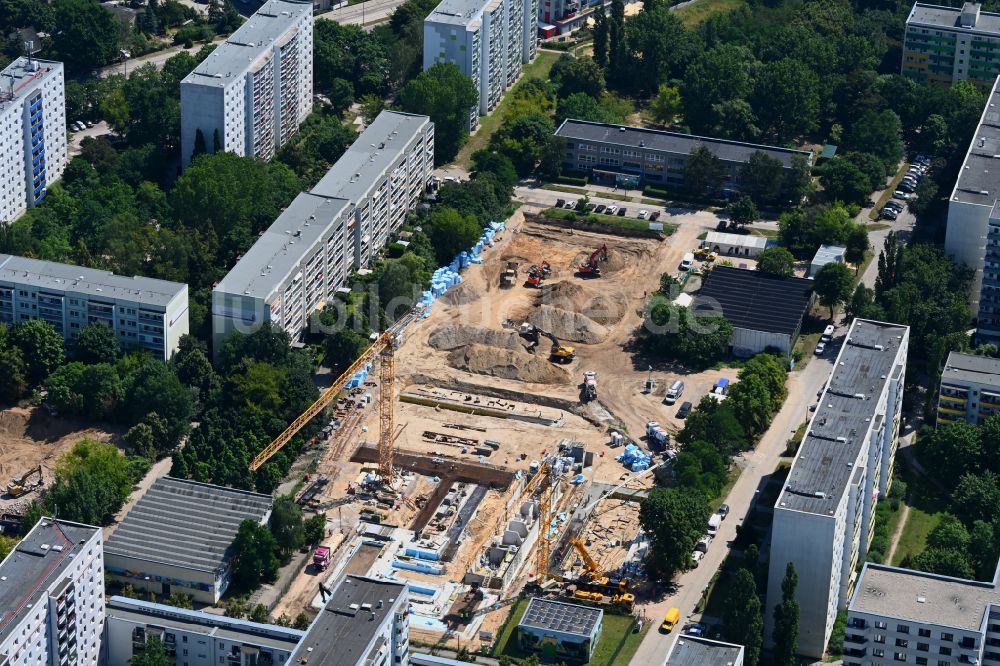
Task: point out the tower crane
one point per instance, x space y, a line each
381 350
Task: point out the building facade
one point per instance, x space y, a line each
568 631
52 597
632 157
192 638
33 151
489 40
912 617
144 313
252 93
825 514
970 389
365 621
945 45
297 266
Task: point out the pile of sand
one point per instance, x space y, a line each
507 364
463 294
567 325
581 297
454 336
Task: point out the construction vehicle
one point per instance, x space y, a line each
509 276
593 579
592 267
590 385
321 558
560 353
656 433
537 274
705 254
23 485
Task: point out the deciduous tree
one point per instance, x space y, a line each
776 261
674 519
447 95
833 283
786 620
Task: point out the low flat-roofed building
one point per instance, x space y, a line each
192 638
912 614
52 596
695 651
178 538
826 254
559 629
969 390
766 311
365 621
734 245
824 517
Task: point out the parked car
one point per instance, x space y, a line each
643 214
696 629
599 208
684 410
900 195
908 187
622 211
703 543
560 203
721 226
889 214
724 510
895 205
696 557
820 349
571 204
827 333
655 216
611 210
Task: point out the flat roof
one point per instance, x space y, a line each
210 624
922 597
371 154
341 633
828 253
550 615
755 300
695 651
35 565
979 178
91 281
17 78
186 524
457 12
740 240
671 142
971 368
249 43
935 16
846 414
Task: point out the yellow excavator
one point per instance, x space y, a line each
593 578
560 353
23 486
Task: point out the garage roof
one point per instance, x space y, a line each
755 300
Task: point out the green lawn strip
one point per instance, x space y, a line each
693 14
889 191
607 220
558 187
539 69
771 234
509 629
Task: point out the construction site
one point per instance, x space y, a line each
476 447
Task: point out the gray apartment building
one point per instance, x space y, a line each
144 312
489 40
635 156
970 389
308 253
945 45
824 516
251 94
900 616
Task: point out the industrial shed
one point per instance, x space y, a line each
766 311
734 245
560 630
826 254
178 538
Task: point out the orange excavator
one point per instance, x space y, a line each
537 274
592 267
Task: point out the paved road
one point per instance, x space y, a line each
802 388
157 59
365 14
76 138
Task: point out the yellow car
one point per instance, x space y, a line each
672 618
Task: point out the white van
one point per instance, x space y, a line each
713 524
674 391
687 261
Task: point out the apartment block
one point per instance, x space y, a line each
489 40
192 638
365 621
252 93
33 151
297 266
635 156
970 389
144 312
825 514
52 597
973 203
911 617
945 45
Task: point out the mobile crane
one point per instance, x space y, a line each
596 583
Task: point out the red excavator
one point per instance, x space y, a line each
537 274
592 266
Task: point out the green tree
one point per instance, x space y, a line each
259 614
776 261
92 482
255 559
315 528
156 388
862 304
580 106
833 283
41 346
949 533
954 451
601 39
302 622
572 75
13 375
762 178
844 181
658 49
667 105
743 212
674 519
524 140
743 622
450 233
944 561
490 162
85 36
879 133
704 172
153 654
96 344
976 496
287 525
856 246
445 94
786 620
180 601
716 79
343 347
786 98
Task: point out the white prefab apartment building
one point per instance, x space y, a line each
192 638
32 133
144 312
900 616
52 596
825 513
299 263
489 40
252 93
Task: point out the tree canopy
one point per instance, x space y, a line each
447 96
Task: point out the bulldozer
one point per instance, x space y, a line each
509 276
592 268
22 486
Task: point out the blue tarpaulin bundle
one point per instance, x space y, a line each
635 458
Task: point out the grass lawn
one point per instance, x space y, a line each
609 220
889 191
926 509
559 187
771 234
698 11
539 69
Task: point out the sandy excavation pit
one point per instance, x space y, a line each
507 364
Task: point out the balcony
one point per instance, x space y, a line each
950 410
856 639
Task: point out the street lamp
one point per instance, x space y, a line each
123 57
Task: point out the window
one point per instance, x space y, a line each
899 656
924 633
923 647
879 638
944 635
902 628
902 642
946 651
